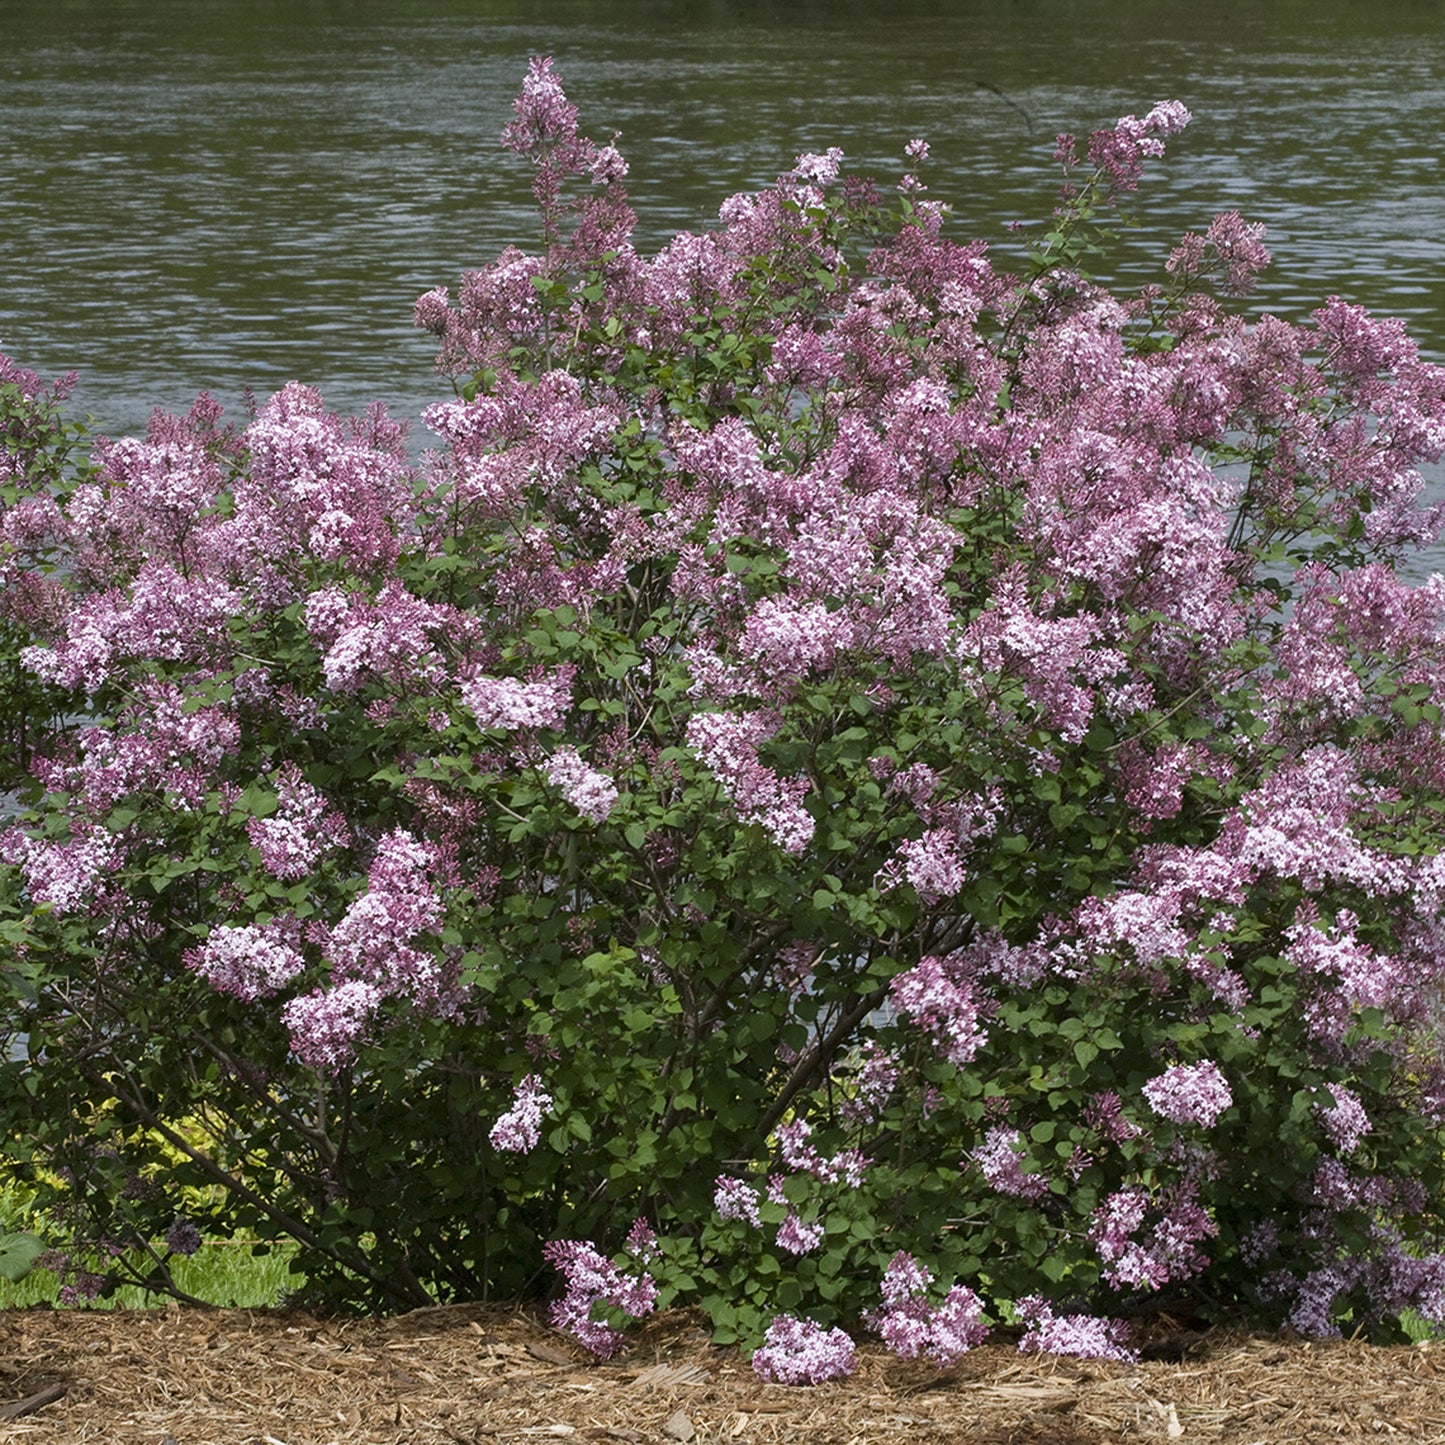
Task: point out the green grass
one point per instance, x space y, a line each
221 1272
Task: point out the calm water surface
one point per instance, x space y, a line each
196 193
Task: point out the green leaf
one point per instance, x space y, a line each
18 1253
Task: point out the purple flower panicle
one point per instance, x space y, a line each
1190 1094
1087 1337
593 1284
800 1352
519 1129
910 1326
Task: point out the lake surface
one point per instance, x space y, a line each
195 193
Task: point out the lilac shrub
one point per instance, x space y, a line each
884 768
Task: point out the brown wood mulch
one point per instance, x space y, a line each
480 1375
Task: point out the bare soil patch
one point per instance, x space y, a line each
475 1375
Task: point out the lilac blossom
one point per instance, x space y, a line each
728 744
800 1352
641 1242
509 704
797 1236
590 792
1119 153
327 1025
873 1084
930 864
518 1130
1190 1094
595 1284
1104 1113
910 1326
68 876
736 1199
1344 1118
948 1009
388 641
300 832
799 1155
249 961
1086 1337
1168 1249
1000 1160
378 937
166 616
183 1237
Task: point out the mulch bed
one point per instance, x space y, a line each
468 1374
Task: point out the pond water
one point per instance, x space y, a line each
199 193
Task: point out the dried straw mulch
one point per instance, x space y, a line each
475 1375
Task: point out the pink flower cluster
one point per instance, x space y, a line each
735 1198
595 1284
590 792
1120 152
250 961
327 1025
728 744
800 1352
518 1130
950 1009
68 876
509 703
1086 1337
1344 1118
1168 1252
910 1326
847 1166
293 839
1190 1094
376 951
1000 1159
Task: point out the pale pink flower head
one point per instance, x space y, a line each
728 745
910 1326
608 166
249 961
819 170
520 1128
593 1281
1086 1337
736 1199
68 876
590 792
293 839
797 1236
801 1352
1190 1094
948 1008
1344 1118
542 112
1239 245
1119 154
327 1025
509 703
1000 1159
1168 117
